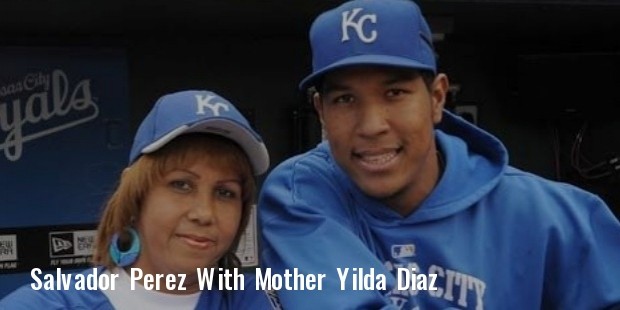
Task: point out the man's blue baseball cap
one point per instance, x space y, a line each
198 111
370 32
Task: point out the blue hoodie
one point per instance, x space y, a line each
489 235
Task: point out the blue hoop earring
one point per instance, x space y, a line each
125 258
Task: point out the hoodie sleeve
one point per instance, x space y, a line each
584 271
306 224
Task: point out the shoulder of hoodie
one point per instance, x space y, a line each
310 181
517 175
315 162
567 197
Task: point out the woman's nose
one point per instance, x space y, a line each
202 211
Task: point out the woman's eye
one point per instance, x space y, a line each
226 193
181 185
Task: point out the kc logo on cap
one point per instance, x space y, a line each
348 18
204 101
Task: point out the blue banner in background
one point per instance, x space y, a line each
64 139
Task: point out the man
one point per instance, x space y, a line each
407 206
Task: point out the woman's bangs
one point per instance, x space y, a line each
187 150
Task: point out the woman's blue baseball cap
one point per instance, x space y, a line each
198 111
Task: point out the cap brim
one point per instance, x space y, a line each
379 60
247 139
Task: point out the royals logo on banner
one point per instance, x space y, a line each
42 104
64 138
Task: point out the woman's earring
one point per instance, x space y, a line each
125 258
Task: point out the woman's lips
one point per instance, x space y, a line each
197 241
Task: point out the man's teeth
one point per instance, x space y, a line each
379 158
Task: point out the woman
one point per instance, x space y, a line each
176 216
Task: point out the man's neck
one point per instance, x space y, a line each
411 197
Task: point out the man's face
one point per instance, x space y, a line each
379 123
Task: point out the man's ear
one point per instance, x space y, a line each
317 101
439 92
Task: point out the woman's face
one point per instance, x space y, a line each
189 219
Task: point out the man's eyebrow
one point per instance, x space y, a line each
400 76
333 86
